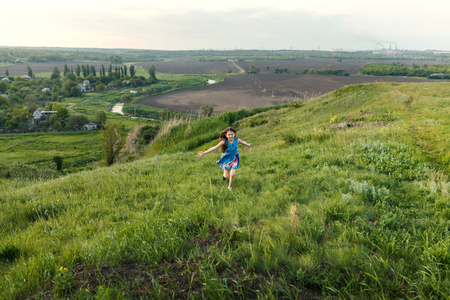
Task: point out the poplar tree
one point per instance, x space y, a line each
78 70
55 73
83 70
152 74
30 72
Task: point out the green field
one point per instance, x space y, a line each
318 209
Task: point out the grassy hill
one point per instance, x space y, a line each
318 210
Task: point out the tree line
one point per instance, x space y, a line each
440 71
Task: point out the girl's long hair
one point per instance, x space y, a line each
223 135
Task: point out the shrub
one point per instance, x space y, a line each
58 160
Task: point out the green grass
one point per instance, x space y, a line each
78 149
317 211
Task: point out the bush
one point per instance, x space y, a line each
58 160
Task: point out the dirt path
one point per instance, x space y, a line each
70 107
237 66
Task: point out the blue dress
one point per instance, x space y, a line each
230 159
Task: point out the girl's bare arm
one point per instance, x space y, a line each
244 143
201 153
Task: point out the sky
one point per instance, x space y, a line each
227 25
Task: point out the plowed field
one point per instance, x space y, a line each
351 66
247 91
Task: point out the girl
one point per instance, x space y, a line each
229 161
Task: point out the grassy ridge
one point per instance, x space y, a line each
316 211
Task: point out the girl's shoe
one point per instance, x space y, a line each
223 177
230 188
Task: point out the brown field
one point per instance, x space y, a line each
189 66
241 91
351 66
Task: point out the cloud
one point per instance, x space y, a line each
142 24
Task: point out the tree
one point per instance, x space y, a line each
125 70
58 160
132 71
3 86
253 69
30 71
100 87
152 74
83 70
55 97
55 74
62 112
115 59
100 117
103 71
66 69
93 72
20 120
71 76
6 72
78 70
77 121
3 102
125 98
206 111
71 89
112 139
267 68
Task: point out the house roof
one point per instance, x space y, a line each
90 123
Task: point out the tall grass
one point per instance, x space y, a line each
314 218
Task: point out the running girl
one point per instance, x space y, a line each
229 161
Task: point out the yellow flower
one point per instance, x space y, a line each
60 268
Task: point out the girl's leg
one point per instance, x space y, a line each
232 176
226 173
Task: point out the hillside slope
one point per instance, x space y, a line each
318 210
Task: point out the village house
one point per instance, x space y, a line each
42 114
84 86
90 126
